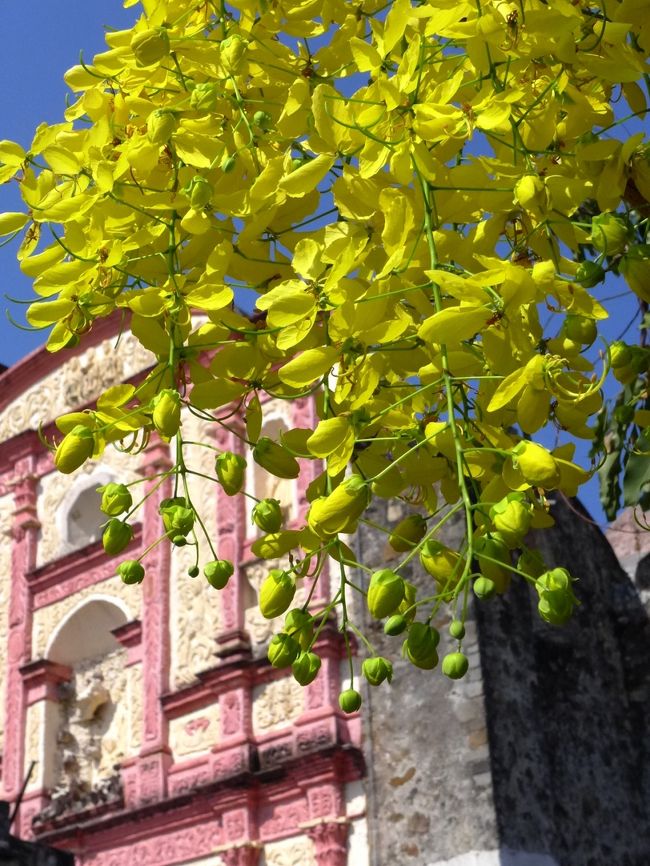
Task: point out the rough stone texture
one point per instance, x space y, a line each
429 782
568 709
540 754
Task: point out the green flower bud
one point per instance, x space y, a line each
204 97
589 274
74 449
350 701
511 517
339 511
167 412
275 459
177 518
446 566
385 592
193 571
298 623
267 514
131 571
231 471
233 48
454 665
407 533
200 192
420 645
283 650
484 588
161 125
609 233
457 629
116 536
218 572
116 498
376 670
150 45
556 598
395 625
489 548
635 267
276 593
305 668
580 329
531 562
536 464
262 119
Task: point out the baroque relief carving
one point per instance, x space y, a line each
75 383
134 692
175 847
195 732
292 852
194 603
46 619
276 704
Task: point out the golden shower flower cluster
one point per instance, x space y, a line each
425 198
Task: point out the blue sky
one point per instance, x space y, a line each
38 46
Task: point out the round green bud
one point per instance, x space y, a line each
160 126
130 571
231 471
305 668
609 233
580 329
177 517
267 515
385 592
484 588
179 541
193 571
116 498
395 625
376 670
116 536
283 650
350 701
457 629
454 665
298 623
218 572
262 119
407 533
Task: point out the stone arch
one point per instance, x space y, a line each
86 631
78 517
88 727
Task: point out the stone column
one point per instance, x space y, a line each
330 840
155 754
24 535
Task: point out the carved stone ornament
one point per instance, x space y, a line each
291 852
330 842
74 384
276 704
241 855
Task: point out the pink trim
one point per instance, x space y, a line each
129 636
330 840
23 555
42 679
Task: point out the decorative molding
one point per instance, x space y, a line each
42 679
330 840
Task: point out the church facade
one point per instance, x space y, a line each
146 726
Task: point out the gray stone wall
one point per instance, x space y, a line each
540 755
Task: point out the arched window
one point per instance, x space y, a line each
89 728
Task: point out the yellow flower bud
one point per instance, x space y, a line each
160 126
537 465
385 593
74 449
446 566
275 459
167 413
407 533
276 593
339 511
150 45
